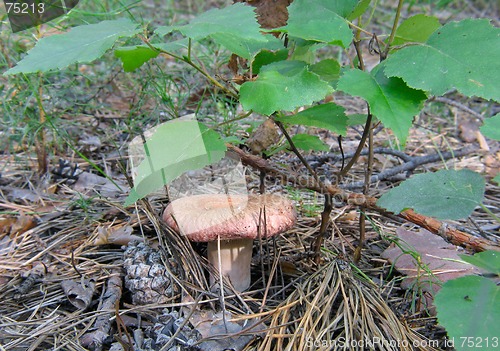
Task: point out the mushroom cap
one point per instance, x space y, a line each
204 218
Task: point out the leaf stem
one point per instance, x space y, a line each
243 116
298 154
188 60
488 211
361 144
40 140
394 27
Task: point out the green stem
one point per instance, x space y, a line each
488 211
361 145
298 154
71 146
394 26
233 119
187 59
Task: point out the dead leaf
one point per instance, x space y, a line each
90 142
270 14
117 236
468 130
437 256
90 183
210 324
492 164
264 136
79 293
483 144
17 225
32 277
349 216
233 64
17 194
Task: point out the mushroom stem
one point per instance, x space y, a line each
236 259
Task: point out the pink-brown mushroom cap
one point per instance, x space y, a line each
204 218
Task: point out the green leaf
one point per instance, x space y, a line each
416 29
359 9
390 99
234 27
237 19
462 55
308 142
327 70
303 50
342 7
320 20
174 148
487 260
468 308
164 30
327 116
356 119
134 57
246 48
266 57
445 194
172 46
491 127
80 45
283 85
497 179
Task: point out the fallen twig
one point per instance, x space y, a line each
412 163
457 105
102 326
437 227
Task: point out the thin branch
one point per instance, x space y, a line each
297 153
366 188
411 164
453 235
394 27
457 105
361 145
331 157
325 220
187 59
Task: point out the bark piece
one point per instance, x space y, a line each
79 293
95 338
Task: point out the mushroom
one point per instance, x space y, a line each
235 220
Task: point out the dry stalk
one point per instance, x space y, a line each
333 308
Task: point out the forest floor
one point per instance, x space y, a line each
79 271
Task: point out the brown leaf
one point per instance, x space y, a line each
79 293
437 256
90 183
270 14
209 324
492 164
483 144
263 137
17 225
117 236
21 194
233 64
468 130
